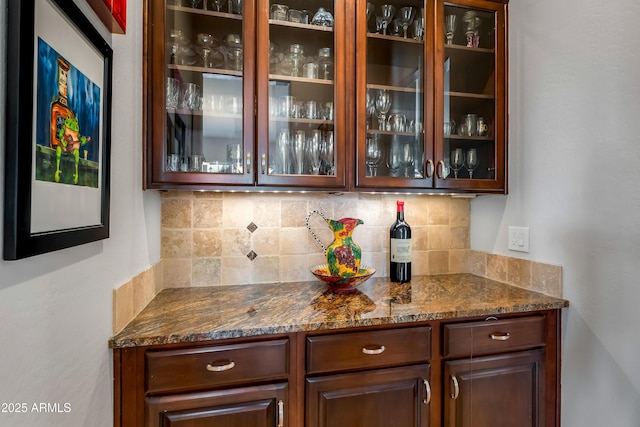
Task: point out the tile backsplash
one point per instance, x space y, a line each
211 238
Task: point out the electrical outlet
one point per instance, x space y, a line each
519 239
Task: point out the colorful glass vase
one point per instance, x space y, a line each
343 254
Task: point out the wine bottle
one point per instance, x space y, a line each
400 248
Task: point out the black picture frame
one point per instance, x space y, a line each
23 192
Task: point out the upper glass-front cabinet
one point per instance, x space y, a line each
326 94
301 93
470 101
391 149
201 72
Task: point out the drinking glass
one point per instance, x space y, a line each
407 159
373 155
417 28
326 153
457 161
383 105
370 9
394 159
450 27
282 162
387 15
235 6
173 93
406 17
299 141
472 161
313 151
191 97
206 43
218 4
234 158
380 24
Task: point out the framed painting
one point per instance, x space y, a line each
58 129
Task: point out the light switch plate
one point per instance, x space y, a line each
519 239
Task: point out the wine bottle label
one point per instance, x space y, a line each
400 250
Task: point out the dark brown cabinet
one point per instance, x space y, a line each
259 406
495 391
378 398
431 102
328 94
494 372
442 373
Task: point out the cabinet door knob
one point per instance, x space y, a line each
427 389
220 368
500 336
378 350
248 162
456 387
263 163
440 170
430 168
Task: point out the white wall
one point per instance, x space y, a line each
574 171
55 309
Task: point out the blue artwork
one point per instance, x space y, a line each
67 122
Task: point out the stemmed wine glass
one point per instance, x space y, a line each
383 105
206 44
407 159
373 155
379 24
472 161
370 9
394 159
370 110
457 161
218 4
406 17
450 27
387 14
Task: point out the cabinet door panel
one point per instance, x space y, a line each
470 100
249 406
379 398
392 150
200 96
301 94
498 391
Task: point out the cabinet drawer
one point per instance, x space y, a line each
493 336
360 350
217 365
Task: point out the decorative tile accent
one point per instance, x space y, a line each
252 255
252 227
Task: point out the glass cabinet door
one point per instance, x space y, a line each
391 95
208 102
471 121
299 78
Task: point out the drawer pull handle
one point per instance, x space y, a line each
220 368
378 350
280 413
501 336
456 387
427 389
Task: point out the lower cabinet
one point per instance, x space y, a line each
495 391
259 406
442 373
494 372
378 398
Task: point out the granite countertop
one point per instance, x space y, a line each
204 313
